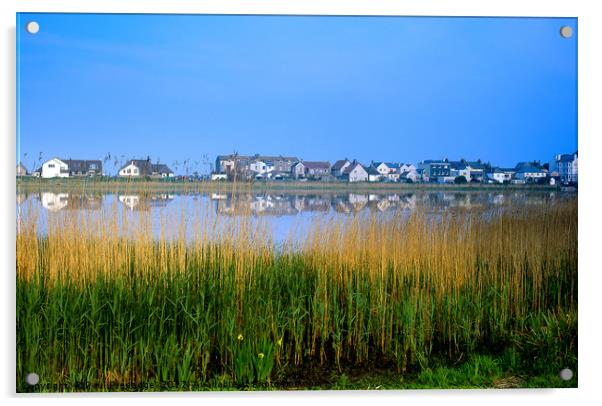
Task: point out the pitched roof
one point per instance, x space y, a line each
476 165
372 170
83 165
458 165
339 164
161 168
257 157
351 167
567 157
316 164
146 167
529 169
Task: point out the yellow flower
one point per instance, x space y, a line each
280 342
240 337
260 355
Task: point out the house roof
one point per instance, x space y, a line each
526 165
567 157
316 164
529 169
339 164
161 168
458 165
435 161
146 167
351 167
476 165
83 165
388 164
257 157
372 170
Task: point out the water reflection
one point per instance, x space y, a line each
145 201
283 212
283 204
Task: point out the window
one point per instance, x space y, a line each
51 165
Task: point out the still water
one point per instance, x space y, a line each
284 215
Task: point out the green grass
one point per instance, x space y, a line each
28 184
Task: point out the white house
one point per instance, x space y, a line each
355 173
374 175
262 169
498 175
407 168
339 167
130 169
385 168
143 167
409 176
529 172
55 168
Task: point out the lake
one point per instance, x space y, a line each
283 215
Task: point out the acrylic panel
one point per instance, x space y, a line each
269 202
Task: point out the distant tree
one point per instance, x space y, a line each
543 180
409 180
460 180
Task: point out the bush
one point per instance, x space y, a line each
460 180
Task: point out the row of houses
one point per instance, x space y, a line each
562 168
65 168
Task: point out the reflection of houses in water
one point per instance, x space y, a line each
69 201
358 201
407 201
218 196
21 197
54 201
81 202
498 199
384 205
318 203
145 202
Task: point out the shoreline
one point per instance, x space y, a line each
93 185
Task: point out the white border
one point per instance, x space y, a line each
590 133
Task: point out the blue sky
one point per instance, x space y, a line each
321 88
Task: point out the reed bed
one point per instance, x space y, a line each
104 305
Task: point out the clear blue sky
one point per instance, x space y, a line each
320 88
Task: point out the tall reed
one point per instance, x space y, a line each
102 304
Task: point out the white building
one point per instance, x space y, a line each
498 175
529 173
339 167
136 168
409 176
355 173
55 168
261 169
